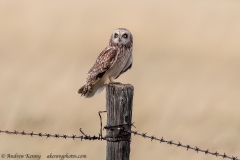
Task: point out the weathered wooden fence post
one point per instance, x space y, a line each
119 98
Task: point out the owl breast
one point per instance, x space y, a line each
123 60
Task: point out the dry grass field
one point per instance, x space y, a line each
186 74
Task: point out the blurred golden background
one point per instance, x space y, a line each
186 74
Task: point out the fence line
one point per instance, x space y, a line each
123 129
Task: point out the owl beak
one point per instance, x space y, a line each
119 39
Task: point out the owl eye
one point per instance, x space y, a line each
115 35
125 36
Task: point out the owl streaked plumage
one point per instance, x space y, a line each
113 61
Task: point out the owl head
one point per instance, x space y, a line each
121 37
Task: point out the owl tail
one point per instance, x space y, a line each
85 91
89 90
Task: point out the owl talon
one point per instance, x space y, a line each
111 79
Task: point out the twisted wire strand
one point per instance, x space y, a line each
179 144
48 135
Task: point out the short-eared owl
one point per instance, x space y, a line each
113 61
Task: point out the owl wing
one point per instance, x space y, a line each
104 62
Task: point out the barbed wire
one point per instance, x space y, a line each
123 129
48 135
162 140
179 144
